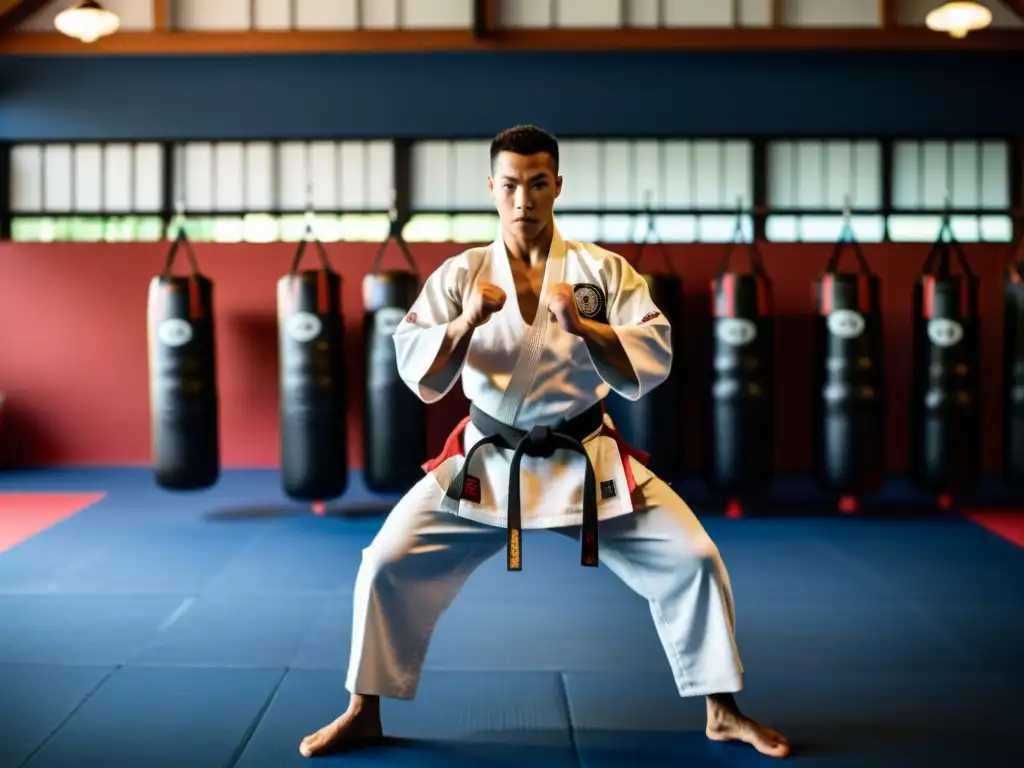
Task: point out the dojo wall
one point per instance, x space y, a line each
712 94
72 315
72 331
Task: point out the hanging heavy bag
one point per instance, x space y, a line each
739 434
849 383
314 427
654 422
1013 367
184 409
394 418
945 409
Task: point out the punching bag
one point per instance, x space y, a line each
740 438
945 410
1013 368
394 418
654 422
849 408
184 410
314 429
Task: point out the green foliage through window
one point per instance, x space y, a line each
477 228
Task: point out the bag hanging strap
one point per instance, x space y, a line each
322 283
651 237
847 241
753 252
938 262
309 236
395 228
1015 256
182 243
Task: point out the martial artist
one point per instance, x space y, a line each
539 329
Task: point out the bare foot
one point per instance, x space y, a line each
727 723
359 725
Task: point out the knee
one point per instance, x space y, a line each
682 560
706 551
381 564
699 559
402 538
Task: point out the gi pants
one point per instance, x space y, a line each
420 558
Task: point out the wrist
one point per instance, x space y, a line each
588 330
461 325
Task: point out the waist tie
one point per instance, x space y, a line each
538 442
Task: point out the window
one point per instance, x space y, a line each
970 179
812 183
615 190
693 189
86 192
260 191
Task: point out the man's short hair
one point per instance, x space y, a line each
525 140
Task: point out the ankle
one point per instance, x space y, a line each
722 705
362 704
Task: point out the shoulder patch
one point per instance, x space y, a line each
648 317
590 300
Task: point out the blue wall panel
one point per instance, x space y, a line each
474 95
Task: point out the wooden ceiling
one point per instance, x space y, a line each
485 36
14 12
1017 6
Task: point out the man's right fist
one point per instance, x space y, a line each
485 300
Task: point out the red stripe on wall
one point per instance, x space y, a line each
73 316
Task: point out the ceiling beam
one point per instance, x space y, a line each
410 41
161 15
18 13
486 18
887 14
1017 6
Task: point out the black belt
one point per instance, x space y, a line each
538 442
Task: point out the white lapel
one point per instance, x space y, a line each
532 345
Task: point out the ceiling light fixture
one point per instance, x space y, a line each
959 18
88 22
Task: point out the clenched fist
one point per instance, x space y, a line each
562 308
485 300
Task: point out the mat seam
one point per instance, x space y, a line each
564 689
74 711
232 761
163 626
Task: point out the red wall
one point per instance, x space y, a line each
73 344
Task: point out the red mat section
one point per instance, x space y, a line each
1006 523
23 515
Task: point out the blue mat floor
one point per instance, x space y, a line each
212 630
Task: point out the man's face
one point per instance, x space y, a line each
524 188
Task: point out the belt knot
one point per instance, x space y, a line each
540 442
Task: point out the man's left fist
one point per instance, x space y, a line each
562 308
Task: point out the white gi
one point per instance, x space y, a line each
525 375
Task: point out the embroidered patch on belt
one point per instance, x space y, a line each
608 489
649 316
471 489
590 301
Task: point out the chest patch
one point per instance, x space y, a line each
590 301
